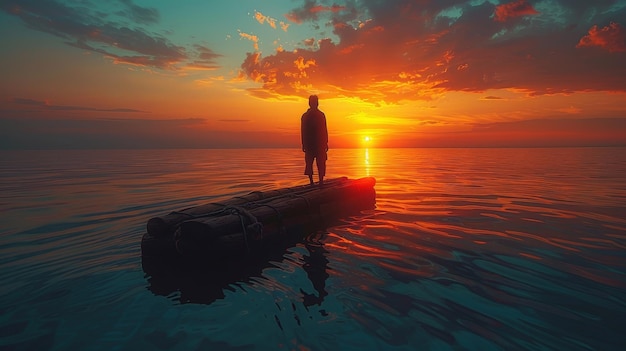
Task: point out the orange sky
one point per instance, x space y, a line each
403 73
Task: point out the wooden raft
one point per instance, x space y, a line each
245 223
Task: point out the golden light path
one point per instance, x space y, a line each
366 145
367 162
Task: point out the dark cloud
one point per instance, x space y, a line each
406 50
311 10
233 120
514 9
206 58
43 105
593 132
105 34
49 133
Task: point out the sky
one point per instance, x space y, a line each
394 73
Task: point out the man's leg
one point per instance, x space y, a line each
308 168
321 166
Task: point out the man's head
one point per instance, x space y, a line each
313 101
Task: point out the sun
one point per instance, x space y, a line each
366 141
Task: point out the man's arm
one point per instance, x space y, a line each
302 133
325 133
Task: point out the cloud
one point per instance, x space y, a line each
107 33
311 10
513 9
551 132
309 42
46 106
261 18
253 38
205 58
406 50
48 133
563 132
611 38
571 110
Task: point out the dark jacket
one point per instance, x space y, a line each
314 132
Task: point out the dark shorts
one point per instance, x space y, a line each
320 157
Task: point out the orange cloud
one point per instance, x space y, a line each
412 51
261 18
319 8
253 38
302 65
513 9
611 38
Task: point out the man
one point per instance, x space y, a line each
314 139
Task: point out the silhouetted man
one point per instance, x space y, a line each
314 139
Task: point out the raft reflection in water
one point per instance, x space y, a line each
204 283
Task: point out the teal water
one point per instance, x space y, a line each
467 249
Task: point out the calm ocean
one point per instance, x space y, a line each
467 249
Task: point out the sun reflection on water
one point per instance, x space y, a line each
366 162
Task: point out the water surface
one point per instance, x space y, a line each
467 249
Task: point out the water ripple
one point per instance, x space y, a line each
466 249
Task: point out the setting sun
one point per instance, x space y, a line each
366 141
